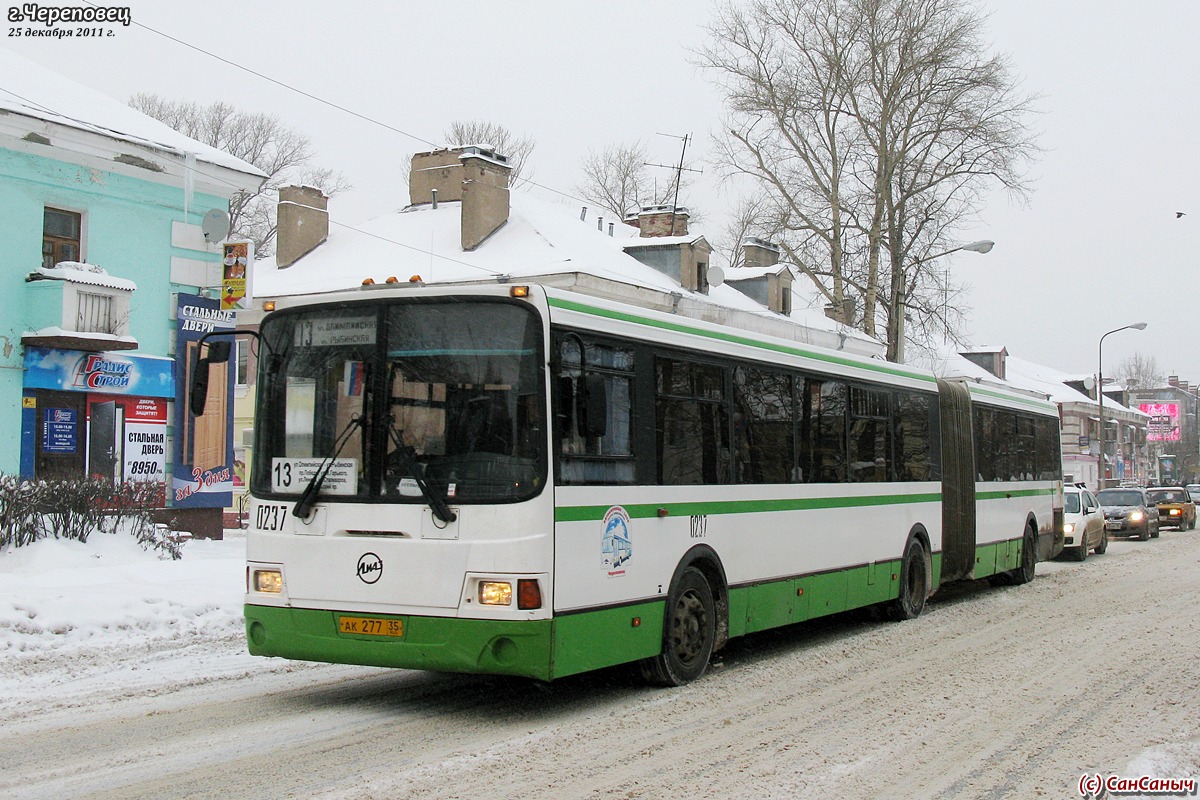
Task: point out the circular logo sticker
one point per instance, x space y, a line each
370 567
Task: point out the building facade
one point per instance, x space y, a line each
1173 433
103 212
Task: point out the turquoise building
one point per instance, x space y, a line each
102 214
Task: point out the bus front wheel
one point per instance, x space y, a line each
1028 569
689 632
915 571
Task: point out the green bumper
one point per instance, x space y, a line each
443 644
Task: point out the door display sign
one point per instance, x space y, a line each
130 434
203 457
60 431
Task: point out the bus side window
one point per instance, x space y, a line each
599 450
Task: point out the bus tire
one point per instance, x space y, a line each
1028 569
689 632
915 574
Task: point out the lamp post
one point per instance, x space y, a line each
899 290
1137 326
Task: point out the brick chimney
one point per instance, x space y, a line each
755 278
473 174
303 223
992 359
759 252
653 221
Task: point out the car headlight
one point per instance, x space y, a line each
1174 512
1136 516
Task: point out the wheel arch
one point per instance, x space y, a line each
705 559
919 532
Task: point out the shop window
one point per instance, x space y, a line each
60 237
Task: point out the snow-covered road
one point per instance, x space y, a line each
996 693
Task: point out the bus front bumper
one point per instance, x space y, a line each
443 644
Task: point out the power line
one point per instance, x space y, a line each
318 99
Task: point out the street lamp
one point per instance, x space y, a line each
1137 326
899 291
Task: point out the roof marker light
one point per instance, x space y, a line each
392 279
368 282
519 291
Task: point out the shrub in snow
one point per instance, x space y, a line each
19 522
32 510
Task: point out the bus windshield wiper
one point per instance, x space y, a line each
308 498
437 503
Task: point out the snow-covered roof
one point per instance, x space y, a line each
539 239
1019 373
80 272
32 90
747 273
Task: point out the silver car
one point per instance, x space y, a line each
1083 524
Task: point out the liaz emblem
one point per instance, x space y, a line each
370 568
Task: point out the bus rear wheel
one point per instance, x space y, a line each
915 571
689 632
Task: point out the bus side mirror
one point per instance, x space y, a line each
198 391
594 420
217 353
564 402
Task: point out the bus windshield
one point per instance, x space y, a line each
386 396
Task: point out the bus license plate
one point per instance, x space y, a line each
368 626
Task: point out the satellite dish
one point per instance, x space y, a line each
215 225
716 276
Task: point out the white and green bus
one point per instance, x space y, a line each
528 481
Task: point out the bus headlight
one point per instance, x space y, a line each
268 580
495 593
1068 527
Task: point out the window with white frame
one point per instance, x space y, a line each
60 236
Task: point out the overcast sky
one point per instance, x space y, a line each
1097 246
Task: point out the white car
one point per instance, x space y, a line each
1083 524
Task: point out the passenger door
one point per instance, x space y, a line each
1093 519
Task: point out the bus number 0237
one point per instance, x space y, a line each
270 517
699 526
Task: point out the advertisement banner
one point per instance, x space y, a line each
237 266
111 373
203 463
1163 425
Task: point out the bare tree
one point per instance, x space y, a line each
619 179
259 139
498 138
1140 372
872 126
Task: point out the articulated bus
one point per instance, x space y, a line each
529 481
